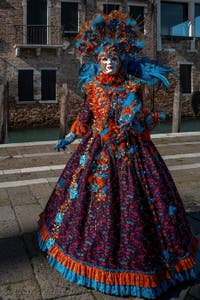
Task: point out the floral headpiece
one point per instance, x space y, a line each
116 30
117 33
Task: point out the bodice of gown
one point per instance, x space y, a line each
115 107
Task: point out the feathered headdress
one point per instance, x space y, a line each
119 33
116 29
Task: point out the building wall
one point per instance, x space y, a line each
67 64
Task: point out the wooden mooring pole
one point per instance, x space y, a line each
2 113
176 120
63 110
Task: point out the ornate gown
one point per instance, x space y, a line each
115 221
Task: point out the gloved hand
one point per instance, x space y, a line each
154 118
162 116
69 138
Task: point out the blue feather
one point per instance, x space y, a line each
148 71
87 73
129 100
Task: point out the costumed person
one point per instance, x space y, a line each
115 221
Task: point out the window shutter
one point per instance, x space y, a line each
69 16
107 8
185 78
48 84
25 85
137 13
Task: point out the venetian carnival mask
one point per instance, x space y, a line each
109 63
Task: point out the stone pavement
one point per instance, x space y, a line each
28 173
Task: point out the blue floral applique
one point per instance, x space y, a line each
83 160
59 218
132 149
73 192
172 210
94 187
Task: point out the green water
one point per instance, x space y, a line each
46 134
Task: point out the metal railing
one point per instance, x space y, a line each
38 34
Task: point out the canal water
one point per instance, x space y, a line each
46 134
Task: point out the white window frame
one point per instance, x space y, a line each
24 5
79 10
191 20
137 3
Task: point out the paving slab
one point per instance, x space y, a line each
52 284
21 195
43 202
191 201
195 291
3 152
20 291
46 174
190 207
4 198
181 149
194 223
24 268
180 161
13 151
8 223
186 176
195 215
41 191
78 297
189 297
101 296
21 176
52 183
27 216
31 244
14 263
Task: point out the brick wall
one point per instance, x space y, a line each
67 65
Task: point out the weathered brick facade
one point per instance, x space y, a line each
55 55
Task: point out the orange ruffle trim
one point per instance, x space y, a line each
117 278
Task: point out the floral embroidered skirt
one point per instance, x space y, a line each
115 221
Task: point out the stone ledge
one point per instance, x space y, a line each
38 48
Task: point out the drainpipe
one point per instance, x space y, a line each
24 5
49 5
158 26
191 12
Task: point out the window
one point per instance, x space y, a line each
197 20
25 85
185 78
174 19
69 17
48 84
107 8
137 13
37 21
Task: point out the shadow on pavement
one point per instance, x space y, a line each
18 252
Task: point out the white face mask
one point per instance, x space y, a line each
109 64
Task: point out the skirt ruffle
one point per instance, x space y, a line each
118 282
